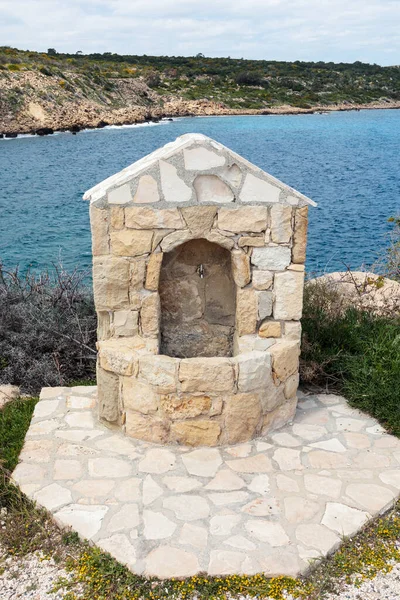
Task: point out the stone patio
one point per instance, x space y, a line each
269 505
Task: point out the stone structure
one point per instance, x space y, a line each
198 269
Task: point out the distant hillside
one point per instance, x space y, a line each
71 91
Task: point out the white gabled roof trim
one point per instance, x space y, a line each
129 173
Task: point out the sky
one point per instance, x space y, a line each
311 30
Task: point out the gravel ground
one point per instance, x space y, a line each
385 586
30 578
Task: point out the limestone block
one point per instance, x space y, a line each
281 223
137 272
196 433
140 217
159 235
147 428
300 235
199 218
280 416
257 190
242 414
254 370
166 561
262 344
143 346
210 188
240 267
293 331
288 288
160 371
285 359
110 282
153 271
256 241
150 315
264 304
139 396
147 190
125 323
204 374
216 406
103 325
108 395
117 356
117 217
294 267
217 238
291 385
175 239
202 159
10 392
270 329
135 300
99 223
120 195
186 406
131 242
292 200
174 188
262 280
244 218
243 344
272 397
276 258
232 174
246 311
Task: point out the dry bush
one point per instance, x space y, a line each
47 328
389 263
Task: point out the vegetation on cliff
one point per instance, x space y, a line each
105 83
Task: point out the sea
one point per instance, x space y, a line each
348 162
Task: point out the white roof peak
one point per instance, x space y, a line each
213 160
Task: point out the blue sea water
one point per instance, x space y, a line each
348 162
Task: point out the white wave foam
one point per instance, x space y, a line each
130 126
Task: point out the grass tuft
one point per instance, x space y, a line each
14 422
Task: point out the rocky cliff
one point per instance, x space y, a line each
43 92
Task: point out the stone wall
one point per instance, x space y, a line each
151 225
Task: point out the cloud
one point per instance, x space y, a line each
340 30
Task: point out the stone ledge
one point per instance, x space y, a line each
196 401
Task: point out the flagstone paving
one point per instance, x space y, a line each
269 505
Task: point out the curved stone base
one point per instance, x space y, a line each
196 401
269 505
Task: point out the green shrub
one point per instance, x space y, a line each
153 79
249 78
45 71
352 352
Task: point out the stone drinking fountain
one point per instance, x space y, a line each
198 271
190 455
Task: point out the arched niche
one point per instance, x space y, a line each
197 294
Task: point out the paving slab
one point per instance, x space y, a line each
270 505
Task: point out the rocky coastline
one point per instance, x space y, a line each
31 103
77 119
